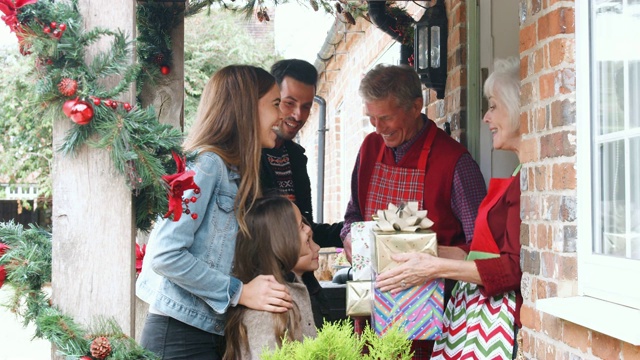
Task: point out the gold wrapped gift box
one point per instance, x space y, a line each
390 243
359 298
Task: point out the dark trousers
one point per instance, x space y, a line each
173 339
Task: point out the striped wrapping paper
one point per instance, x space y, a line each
418 310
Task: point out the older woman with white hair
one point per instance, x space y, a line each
482 317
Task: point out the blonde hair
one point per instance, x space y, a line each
227 124
272 247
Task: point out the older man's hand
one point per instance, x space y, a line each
414 269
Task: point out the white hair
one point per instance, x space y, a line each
504 85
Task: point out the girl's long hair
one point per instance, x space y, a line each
227 124
271 248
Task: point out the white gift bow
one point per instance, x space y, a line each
405 217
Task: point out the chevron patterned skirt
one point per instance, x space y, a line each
477 327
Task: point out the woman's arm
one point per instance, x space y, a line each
417 269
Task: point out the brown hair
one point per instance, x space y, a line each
227 124
272 248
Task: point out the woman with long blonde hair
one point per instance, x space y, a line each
186 274
279 243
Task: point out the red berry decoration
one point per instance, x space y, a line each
107 103
196 190
96 101
46 30
53 24
165 70
114 105
57 33
194 199
68 87
126 106
62 27
86 358
194 216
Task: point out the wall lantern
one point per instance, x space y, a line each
430 48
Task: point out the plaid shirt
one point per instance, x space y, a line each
467 191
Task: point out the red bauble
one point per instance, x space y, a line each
126 106
114 105
96 101
46 30
194 216
66 108
53 24
62 27
165 70
107 103
79 111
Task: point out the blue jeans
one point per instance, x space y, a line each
172 339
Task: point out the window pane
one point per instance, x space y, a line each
612 200
634 93
634 222
610 94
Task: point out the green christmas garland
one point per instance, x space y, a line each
51 35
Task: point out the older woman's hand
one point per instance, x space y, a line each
414 269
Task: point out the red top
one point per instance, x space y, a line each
438 179
503 273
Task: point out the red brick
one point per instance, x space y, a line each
540 119
557 144
558 21
529 318
548 264
567 268
605 347
561 50
540 174
543 240
527 94
528 38
524 67
524 122
529 150
563 176
539 60
630 351
576 336
547 85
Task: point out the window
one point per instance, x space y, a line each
608 131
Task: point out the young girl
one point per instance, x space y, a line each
186 275
279 243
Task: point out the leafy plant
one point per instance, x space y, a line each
338 341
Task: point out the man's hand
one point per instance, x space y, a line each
266 294
346 244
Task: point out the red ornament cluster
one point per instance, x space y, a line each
178 183
111 103
55 30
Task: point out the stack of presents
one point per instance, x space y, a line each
419 309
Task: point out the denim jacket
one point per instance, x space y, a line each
185 273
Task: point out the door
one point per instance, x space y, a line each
497 31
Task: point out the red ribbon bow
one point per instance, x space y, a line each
179 182
10 10
140 252
3 271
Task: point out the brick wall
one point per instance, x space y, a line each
347 126
549 234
